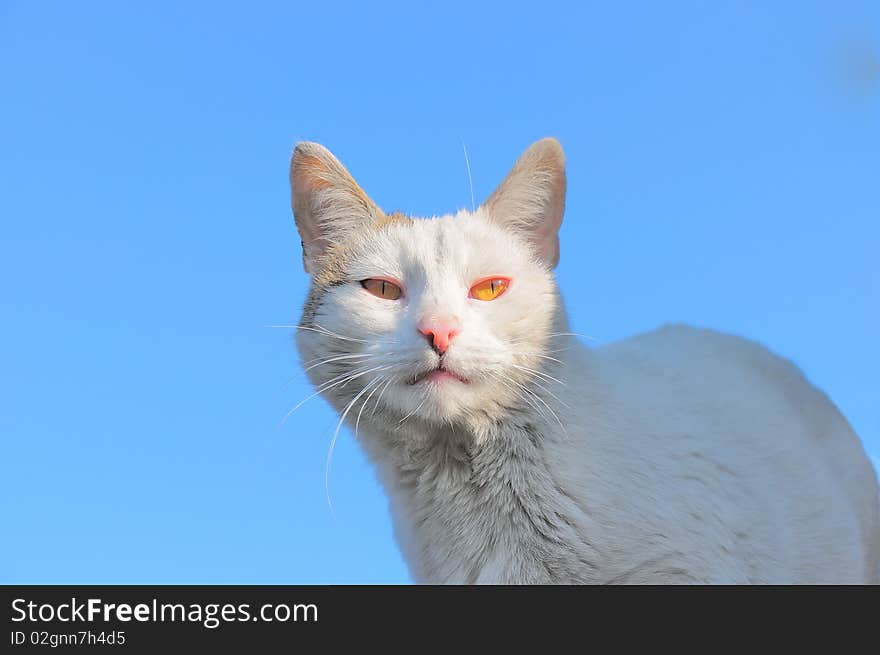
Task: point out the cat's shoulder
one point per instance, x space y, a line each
678 346
679 363
679 337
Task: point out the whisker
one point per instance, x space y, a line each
347 338
518 393
550 409
572 334
467 163
322 330
379 379
559 350
333 442
552 359
418 407
550 393
556 335
381 393
530 394
339 380
544 403
326 332
339 358
320 362
539 373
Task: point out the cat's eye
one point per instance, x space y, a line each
382 288
490 288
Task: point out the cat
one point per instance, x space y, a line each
513 454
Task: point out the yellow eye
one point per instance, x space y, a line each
382 288
490 288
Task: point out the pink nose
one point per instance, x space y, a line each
440 331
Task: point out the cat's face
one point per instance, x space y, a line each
443 320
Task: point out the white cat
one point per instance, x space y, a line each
513 454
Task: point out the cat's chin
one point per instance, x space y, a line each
438 376
440 397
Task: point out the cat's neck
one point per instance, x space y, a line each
481 503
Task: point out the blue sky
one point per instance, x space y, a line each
724 169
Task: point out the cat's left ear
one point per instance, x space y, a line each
531 199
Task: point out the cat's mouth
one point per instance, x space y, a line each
438 375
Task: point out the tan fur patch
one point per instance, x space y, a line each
319 174
332 266
333 263
316 171
389 219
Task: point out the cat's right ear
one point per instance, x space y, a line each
327 203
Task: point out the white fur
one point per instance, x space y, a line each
682 455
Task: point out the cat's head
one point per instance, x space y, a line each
441 320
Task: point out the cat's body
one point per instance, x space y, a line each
511 453
767 484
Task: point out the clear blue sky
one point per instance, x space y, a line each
724 169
